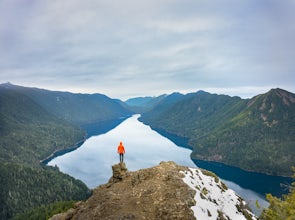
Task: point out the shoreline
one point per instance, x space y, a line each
60 152
237 167
184 142
218 168
100 127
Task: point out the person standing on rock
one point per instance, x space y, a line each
121 151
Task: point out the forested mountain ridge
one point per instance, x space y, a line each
255 134
33 124
192 114
24 187
28 133
144 104
260 138
163 104
79 109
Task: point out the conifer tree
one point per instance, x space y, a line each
281 209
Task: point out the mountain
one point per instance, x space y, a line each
191 114
24 187
255 134
139 101
34 123
79 109
28 133
143 104
162 104
166 191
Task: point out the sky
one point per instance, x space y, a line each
131 48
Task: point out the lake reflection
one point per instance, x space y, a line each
144 147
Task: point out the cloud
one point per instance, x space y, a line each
188 25
150 47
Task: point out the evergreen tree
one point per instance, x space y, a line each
281 209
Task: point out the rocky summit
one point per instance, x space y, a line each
166 191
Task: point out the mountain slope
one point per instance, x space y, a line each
24 187
139 101
256 134
166 191
193 114
79 109
260 138
143 104
159 109
28 133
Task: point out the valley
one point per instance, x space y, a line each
256 134
34 123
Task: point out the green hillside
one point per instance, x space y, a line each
161 106
194 114
28 133
143 104
34 123
256 134
79 109
260 138
24 187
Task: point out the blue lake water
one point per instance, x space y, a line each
145 147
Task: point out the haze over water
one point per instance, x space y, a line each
144 147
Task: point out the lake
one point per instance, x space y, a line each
145 148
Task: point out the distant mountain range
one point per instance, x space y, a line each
79 109
143 104
255 134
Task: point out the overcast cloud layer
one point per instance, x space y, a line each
131 48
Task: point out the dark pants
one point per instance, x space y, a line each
121 158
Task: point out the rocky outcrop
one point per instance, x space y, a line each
119 172
166 191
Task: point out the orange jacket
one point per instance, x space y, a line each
121 149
